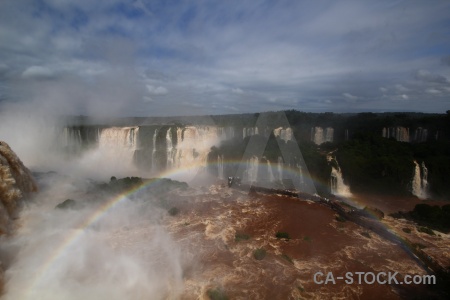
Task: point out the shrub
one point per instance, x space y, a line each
282 235
425 230
67 204
216 294
340 219
173 211
288 258
406 230
259 254
366 234
241 237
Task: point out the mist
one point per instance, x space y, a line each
125 253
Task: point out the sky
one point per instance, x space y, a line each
162 58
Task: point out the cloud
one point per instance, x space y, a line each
401 88
160 90
237 91
427 76
232 53
37 72
350 97
446 60
433 91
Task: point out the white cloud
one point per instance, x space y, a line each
383 89
237 91
349 97
401 88
159 90
37 72
404 96
433 91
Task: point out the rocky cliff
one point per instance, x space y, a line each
16 182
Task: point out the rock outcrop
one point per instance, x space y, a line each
16 182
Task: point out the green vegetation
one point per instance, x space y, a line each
173 211
241 237
259 254
307 238
371 163
366 234
282 235
425 230
216 294
67 204
340 218
406 230
435 217
288 258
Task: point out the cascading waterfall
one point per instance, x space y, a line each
252 169
269 169
337 184
300 172
71 140
220 167
280 168
155 134
169 149
419 182
116 147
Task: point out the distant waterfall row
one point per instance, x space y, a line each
281 174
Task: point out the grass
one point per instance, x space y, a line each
241 237
282 235
259 254
216 294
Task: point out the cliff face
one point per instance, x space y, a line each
16 182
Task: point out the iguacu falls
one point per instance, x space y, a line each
221 150
234 207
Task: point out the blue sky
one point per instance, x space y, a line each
147 58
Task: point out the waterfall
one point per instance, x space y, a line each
337 184
317 135
419 182
300 172
155 134
220 167
123 138
280 168
269 169
116 148
284 134
249 131
252 169
169 149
